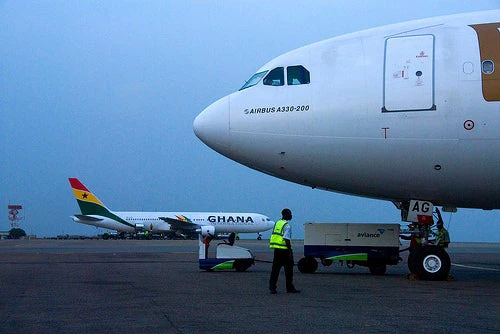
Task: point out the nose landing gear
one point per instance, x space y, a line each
426 260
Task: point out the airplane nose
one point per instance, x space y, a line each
211 126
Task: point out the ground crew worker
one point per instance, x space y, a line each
442 235
283 255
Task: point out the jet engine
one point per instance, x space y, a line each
207 230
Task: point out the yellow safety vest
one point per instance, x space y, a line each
442 238
277 240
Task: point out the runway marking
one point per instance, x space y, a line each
473 267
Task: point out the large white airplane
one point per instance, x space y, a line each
403 112
94 212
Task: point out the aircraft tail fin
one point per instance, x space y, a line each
89 203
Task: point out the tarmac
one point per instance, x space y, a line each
155 286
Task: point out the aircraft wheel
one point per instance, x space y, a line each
307 265
377 268
431 263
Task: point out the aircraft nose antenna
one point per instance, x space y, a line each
211 126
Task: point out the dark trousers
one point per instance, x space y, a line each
282 258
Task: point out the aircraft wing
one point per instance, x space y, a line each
183 223
88 218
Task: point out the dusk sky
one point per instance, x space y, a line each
107 91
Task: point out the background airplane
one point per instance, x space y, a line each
94 212
406 113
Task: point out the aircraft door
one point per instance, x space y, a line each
489 46
409 74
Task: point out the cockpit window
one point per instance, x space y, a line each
297 75
254 80
276 77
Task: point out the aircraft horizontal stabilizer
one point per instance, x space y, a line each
88 218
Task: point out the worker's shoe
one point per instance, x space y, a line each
293 291
273 291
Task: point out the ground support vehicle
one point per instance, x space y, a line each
371 245
228 256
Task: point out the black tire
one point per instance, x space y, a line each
377 268
431 263
240 265
307 265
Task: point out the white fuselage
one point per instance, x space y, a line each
395 113
237 222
